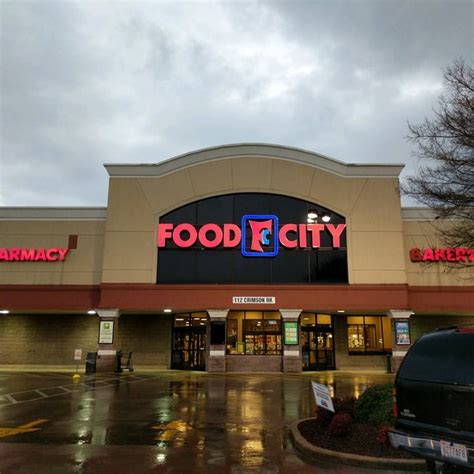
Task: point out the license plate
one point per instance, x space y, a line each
453 451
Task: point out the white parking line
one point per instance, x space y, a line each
89 385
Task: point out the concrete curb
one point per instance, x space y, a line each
316 452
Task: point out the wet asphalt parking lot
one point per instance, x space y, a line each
170 421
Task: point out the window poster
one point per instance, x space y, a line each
106 332
290 333
402 333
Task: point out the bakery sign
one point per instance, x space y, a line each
453 255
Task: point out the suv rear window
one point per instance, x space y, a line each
445 357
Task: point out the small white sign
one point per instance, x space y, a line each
253 300
322 397
78 354
106 332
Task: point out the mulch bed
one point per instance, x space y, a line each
362 440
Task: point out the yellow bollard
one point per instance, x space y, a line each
76 377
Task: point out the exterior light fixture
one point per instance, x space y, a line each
312 215
341 311
179 319
167 310
91 311
311 221
4 311
326 218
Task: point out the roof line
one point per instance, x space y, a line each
264 150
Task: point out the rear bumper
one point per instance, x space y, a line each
427 447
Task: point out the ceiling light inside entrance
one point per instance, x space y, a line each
312 215
326 218
4 311
91 311
167 310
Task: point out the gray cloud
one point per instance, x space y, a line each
87 83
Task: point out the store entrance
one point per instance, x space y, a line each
189 342
317 347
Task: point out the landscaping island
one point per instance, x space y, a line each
357 434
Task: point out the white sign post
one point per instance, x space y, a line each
322 397
77 358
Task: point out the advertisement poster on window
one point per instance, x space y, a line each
290 333
106 332
402 333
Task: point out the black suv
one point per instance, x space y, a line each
435 399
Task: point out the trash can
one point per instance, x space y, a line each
91 361
118 362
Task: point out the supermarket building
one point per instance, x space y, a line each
237 258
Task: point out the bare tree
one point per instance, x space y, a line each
445 147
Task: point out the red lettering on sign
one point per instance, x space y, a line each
438 254
229 239
416 255
302 236
164 232
179 241
14 254
40 255
450 255
62 254
285 241
230 235
428 255
460 254
27 255
217 235
51 255
336 232
315 230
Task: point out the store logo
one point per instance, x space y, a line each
258 236
263 238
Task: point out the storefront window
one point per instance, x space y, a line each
254 333
368 334
190 319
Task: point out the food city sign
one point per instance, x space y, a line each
40 254
258 235
442 255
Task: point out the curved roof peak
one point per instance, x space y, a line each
257 150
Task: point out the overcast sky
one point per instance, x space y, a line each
92 82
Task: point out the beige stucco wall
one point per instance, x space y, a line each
371 207
82 266
426 233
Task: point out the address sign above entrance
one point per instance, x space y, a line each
253 300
